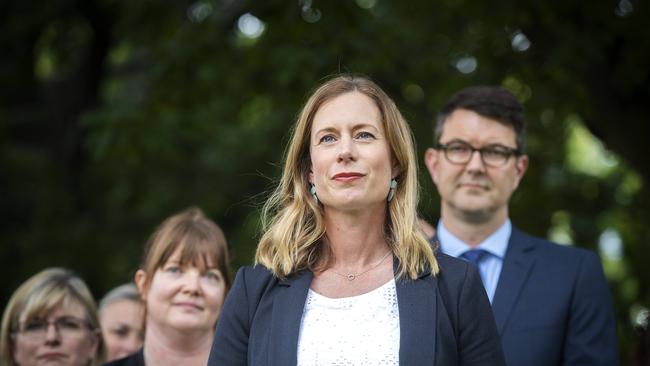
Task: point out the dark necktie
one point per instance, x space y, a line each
474 256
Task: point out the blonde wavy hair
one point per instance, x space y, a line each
292 221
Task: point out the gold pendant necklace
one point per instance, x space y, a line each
353 276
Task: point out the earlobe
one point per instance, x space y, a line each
431 162
396 170
521 166
140 280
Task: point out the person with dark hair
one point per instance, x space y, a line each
551 303
343 274
183 280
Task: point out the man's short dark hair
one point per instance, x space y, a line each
489 101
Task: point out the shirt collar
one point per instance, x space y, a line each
496 244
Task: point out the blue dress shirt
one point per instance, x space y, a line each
490 265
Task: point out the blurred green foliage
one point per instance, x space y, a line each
116 114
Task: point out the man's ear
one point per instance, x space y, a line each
521 165
140 279
431 159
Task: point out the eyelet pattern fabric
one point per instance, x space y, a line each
358 330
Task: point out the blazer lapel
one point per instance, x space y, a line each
417 318
288 306
516 267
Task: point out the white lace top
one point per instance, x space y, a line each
350 331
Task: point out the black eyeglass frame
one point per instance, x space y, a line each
509 151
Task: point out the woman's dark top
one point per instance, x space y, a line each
136 359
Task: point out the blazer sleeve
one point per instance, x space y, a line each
478 339
230 344
591 334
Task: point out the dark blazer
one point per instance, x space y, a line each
552 306
444 320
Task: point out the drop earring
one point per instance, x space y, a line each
312 190
391 192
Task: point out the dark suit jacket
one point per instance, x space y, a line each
552 306
444 320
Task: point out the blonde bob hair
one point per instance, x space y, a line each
292 221
40 295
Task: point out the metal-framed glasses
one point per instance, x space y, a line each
460 152
66 326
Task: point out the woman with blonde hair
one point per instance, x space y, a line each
343 274
51 319
183 279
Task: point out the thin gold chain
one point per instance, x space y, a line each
353 276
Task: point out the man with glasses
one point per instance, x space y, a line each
551 303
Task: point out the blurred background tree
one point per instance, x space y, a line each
117 114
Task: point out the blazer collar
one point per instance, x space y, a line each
418 312
288 306
517 265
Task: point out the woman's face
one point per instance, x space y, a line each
184 298
62 338
350 156
122 328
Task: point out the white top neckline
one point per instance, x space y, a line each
326 299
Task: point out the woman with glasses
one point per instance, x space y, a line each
51 319
183 280
344 276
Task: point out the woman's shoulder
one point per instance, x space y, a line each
454 271
253 276
136 359
255 272
260 274
255 280
452 264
